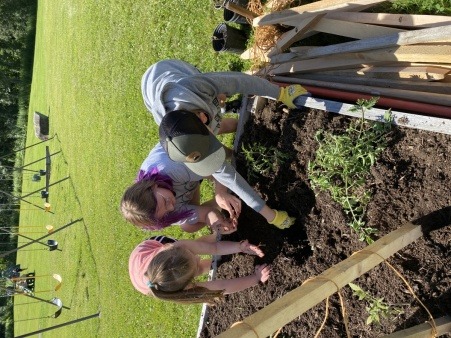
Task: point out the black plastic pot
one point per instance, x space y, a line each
229 39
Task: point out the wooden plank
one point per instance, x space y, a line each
353 30
282 58
356 6
428 87
282 311
412 74
254 53
429 123
417 53
318 7
240 10
426 35
294 35
337 27
279 65
443 67
287 56
394 20
442 324
291 56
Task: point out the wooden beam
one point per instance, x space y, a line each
435 66
319 24
443 326
291 56
318 7
417 53
426 35
254 53
429 123
426 87
353 30
394 20
283 310
294 35
240 10
412 73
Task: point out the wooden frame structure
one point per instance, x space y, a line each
395 56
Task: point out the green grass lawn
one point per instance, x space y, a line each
89 59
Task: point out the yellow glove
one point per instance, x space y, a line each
288 94
282 220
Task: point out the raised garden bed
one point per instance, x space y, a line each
410 182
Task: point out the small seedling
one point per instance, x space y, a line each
376 308
262 160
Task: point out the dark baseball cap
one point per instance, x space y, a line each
186 139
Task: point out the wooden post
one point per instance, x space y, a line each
240 10
443 325
394 20
282 311
425 35
318 7
296 34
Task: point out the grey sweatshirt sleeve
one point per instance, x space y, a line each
230 83
229 177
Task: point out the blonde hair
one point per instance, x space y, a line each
171 271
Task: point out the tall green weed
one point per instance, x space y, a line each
343 161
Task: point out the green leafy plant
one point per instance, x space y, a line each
343 161
262 160
376 308
423 6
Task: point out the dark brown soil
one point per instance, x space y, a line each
410 182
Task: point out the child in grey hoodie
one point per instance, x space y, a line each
170 85
174 85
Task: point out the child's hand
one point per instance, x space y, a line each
250 249
219 223
226 226
229 202
262 272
